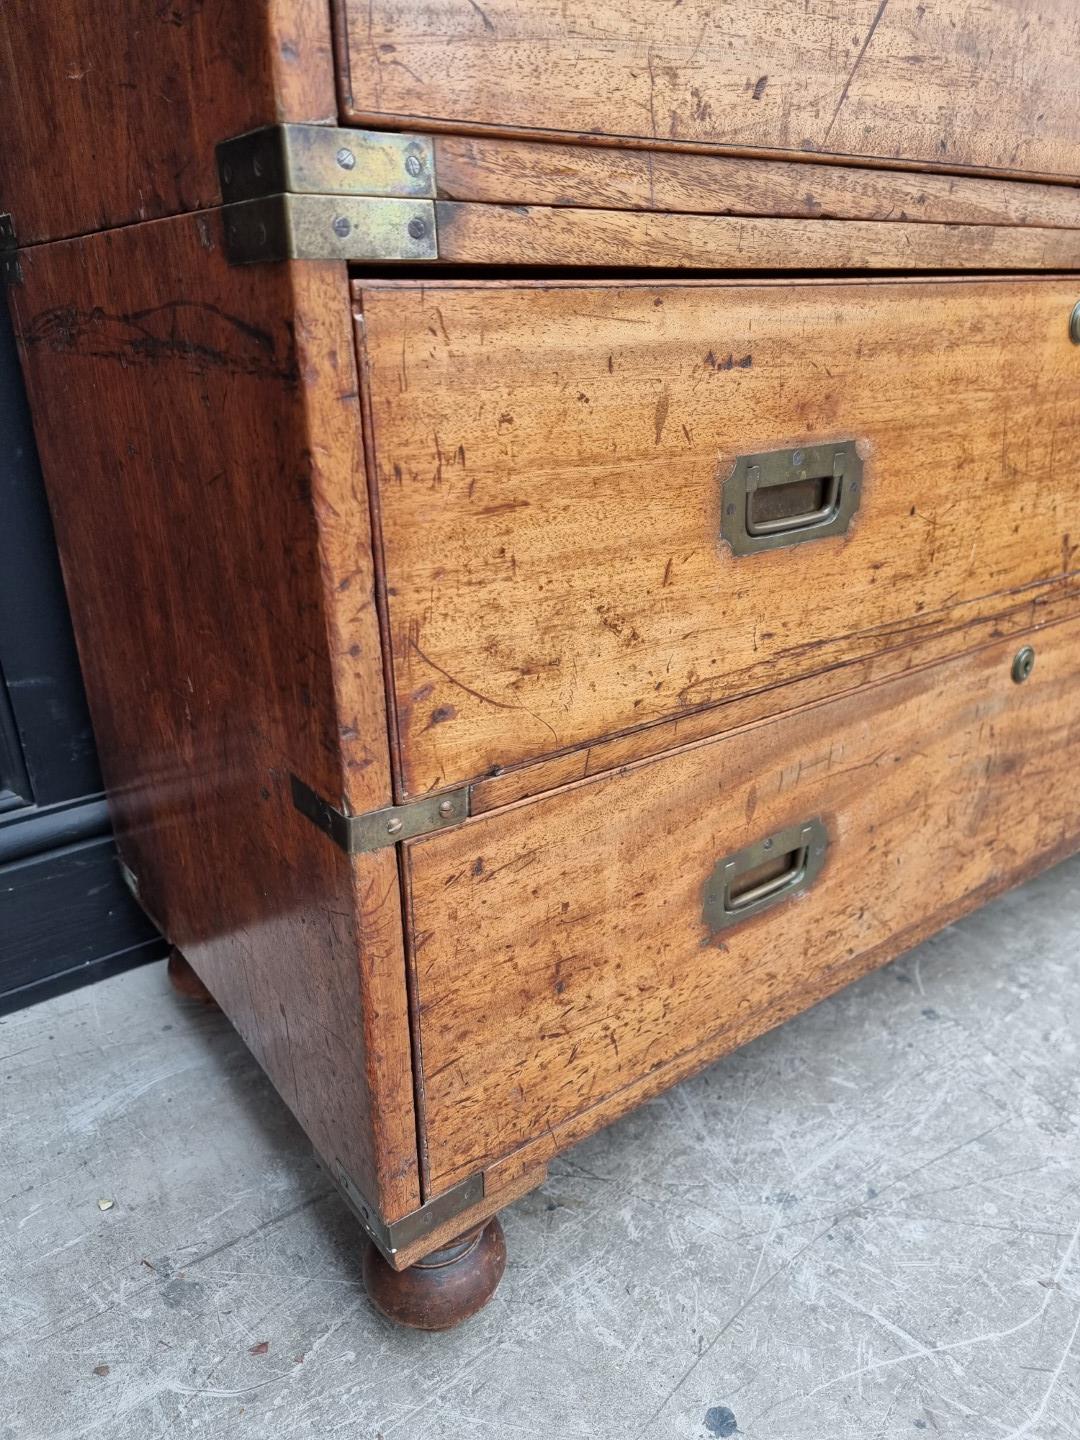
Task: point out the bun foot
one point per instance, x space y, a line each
444 1288
185 982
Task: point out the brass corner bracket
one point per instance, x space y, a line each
318 192
390 1236
376 829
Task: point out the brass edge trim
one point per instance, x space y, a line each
394 1235
325 160
376 829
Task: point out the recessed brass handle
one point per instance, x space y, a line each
771 870
786 497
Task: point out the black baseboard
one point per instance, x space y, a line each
66 916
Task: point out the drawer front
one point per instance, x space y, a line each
554 465
946 84
578 951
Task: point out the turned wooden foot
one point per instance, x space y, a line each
444 1288
185 982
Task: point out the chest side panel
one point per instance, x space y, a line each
111 111
199 433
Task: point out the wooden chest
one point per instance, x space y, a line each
566 577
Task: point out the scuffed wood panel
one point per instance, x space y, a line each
199 433
989 86
563 966
110 112
520 172
1039 606
567 236
550 460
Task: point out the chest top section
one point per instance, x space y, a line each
111 113
939 83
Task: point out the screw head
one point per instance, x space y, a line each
341 226
766 844
1074 324
345 158
797 457
414 165
417 228
446 807
1023 664
393 826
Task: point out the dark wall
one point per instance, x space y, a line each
65 915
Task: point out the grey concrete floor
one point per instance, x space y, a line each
864 1225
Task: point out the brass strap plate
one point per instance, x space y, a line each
394 1235
329 227
325 160
360 834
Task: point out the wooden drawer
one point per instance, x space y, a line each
552 461
565 967
991 86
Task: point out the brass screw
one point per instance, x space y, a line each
1023 664
446 807
414 165
341 227
393 826
345 158
1074 324
417 229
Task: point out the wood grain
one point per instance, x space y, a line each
948 85
478 234
566 970
199 433
111 112
1040 606
550 461
518 172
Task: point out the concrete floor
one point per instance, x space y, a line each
863 1225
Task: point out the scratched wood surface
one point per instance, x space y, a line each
566 969
110 112
550 461
199 433
951 84
520 172
481 234
1039 606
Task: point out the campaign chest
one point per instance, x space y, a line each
570 515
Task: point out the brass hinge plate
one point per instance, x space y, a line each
392 1236
323 160
10 268
329 227
360 834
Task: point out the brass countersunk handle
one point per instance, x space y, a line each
786 497
765 873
